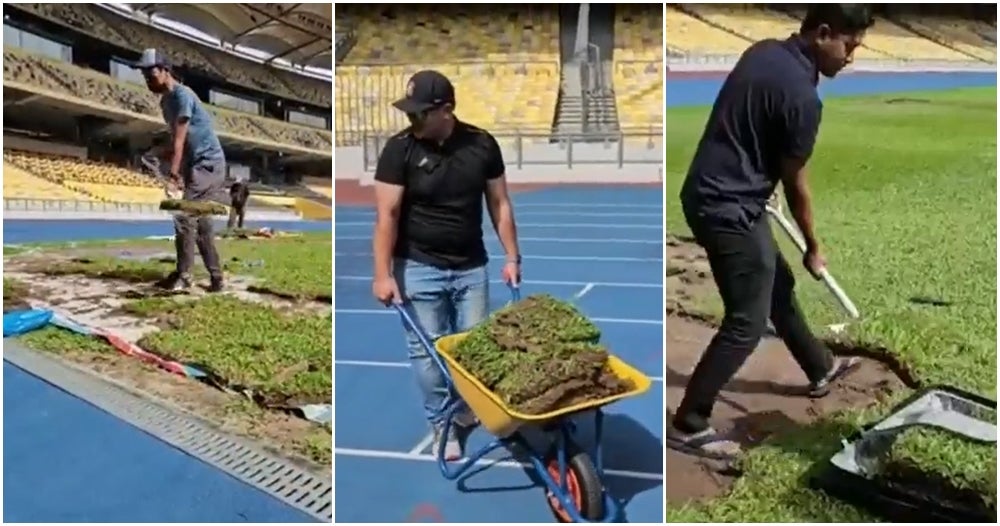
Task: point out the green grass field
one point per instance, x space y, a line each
271 334
905 205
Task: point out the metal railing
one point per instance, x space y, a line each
65 205
532 148
101 207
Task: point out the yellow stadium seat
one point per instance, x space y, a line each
638 66
504 63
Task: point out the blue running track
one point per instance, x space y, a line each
67 461
604 246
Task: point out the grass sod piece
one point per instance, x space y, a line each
240 415
194 207
539 355
938 465
879 207
295 267
282 358
15 294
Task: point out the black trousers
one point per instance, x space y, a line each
239 193
755 282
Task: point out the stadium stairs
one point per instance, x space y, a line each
588 114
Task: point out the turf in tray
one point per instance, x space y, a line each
932 459
539 355
937 464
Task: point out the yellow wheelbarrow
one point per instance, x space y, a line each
574 477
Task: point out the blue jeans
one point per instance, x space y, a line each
442 302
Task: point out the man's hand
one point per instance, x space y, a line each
176 179
386 291
511 273
814 262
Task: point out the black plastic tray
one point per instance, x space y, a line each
881 499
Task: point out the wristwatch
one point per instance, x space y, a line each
515 259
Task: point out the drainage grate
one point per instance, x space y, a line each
293 485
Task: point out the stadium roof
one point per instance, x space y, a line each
298 33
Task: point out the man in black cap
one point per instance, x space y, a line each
762 130
197 165
428 242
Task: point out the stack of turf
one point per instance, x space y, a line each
944 467
539 355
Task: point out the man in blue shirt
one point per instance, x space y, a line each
761 130
197 166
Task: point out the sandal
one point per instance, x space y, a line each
706 444
841 368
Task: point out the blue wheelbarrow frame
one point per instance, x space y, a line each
564 431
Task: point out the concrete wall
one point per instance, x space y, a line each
22 143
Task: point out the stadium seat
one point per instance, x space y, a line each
75 176
889 39
692 36
753 22
886 40
721 29
504 63
19 184
962 35
638 66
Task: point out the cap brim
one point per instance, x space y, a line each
411 106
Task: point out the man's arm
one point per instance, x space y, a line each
801 122
185 102
390 182
498 203
799 199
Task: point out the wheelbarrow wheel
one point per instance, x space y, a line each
584 487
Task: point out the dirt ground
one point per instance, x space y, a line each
97 302
765 397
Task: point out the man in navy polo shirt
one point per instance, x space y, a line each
761 131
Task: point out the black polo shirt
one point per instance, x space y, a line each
441 222
768 109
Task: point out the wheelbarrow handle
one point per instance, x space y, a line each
423 338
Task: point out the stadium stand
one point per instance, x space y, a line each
964 36
727 29
60 61
504 62
689 35
519 70
19 184
638 65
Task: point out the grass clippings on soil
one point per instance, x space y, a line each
539 355
904 200
272 342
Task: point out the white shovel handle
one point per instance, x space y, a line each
824 274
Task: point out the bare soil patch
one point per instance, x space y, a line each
766 397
